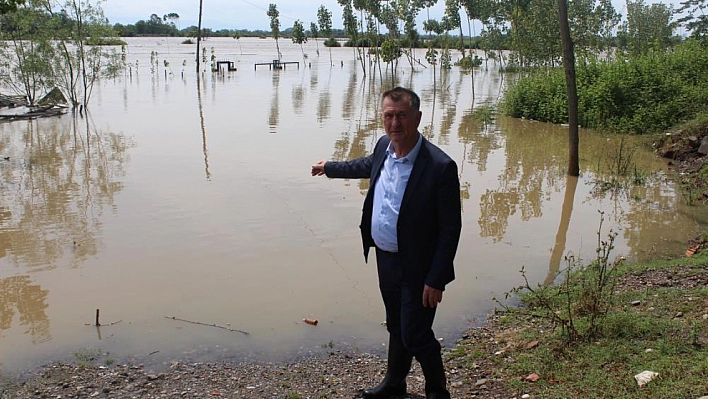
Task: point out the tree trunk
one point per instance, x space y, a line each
199 32
569 66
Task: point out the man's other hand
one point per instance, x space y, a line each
431 297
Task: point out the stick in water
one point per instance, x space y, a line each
205 324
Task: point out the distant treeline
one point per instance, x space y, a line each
167 26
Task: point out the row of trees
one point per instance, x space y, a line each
166 25
529 28
47 44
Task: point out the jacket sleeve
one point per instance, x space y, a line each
359 168
449 221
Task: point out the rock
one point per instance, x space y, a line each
533 377
636 303
703 149
644 377
480 382
525 396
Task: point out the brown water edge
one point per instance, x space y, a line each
198 204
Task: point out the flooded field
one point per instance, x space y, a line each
184 209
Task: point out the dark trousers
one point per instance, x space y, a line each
405 315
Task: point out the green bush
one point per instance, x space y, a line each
645 94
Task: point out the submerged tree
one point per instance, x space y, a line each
26 53
61 48
199 35
298 35
237 36
86 61
314 33
273 13
351 26
324 18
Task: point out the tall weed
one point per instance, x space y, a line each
579 304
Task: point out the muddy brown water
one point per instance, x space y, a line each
174 201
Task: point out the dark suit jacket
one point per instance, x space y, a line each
430 220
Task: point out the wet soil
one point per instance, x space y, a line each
686 154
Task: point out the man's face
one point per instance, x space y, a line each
401 121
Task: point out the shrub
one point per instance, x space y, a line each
645 94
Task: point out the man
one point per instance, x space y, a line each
412 216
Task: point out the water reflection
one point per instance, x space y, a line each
479 141
562 234
274 114
61 175
449 97
204 135
324 101
19 297
298 97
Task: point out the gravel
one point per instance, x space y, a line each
338 375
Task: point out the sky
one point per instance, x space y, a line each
249 14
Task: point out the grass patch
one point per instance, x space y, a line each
656 320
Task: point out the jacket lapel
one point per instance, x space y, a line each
420 164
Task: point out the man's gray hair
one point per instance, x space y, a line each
398 94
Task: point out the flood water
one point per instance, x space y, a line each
172 202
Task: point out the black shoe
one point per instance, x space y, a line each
399 364
435 381
385 390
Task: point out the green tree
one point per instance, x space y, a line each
315 33
452 20
79 62
324 19
93 61
273 13
390 53
237 36
647 27
407 12
298 35
607 19
26 53
696 19
538 33
493 35
9 5
172 17
351 29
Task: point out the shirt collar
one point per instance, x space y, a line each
411 157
